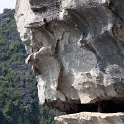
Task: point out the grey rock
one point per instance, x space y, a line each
91 118
76 49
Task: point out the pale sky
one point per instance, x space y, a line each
10 4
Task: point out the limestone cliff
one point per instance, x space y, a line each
76 48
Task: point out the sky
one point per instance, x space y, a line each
10 4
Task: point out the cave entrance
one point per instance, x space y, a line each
106 106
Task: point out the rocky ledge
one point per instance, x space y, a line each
91 118
76 48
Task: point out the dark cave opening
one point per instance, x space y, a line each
105 106
87 108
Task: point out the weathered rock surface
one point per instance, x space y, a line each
76 48
91 118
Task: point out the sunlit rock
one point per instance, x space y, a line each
76 48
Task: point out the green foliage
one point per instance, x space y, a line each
15 84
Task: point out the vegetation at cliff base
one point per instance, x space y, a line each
18 86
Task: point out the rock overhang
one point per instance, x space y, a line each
76 49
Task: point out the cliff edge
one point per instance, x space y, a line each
76 48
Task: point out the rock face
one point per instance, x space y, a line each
76 48
91 118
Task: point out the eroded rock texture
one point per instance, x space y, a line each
76 48
91 118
